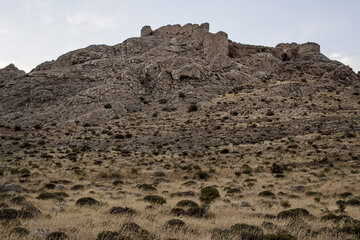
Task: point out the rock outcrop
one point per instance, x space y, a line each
9 73
134 75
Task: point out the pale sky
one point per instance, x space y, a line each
34 31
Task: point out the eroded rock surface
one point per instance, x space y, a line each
160 64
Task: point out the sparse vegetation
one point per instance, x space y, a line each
107 106
193 107
270 156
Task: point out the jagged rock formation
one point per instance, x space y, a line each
136 74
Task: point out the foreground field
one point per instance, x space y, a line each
242 166
303 187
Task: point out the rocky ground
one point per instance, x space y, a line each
168 137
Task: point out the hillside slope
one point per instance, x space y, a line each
163 64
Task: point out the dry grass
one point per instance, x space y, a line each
320 163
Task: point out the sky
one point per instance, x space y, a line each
34 31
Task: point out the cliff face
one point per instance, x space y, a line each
164 64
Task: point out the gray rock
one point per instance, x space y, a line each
146 31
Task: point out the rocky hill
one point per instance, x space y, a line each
181 134
176 65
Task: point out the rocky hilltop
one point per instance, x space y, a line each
181 134
174 65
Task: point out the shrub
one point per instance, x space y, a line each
219 234
175 223
19 231
187 203
77 187
117 182
119 136
146 187
203 175
50 186
279 236
345 194
276 168
134 231
163 101
18 200
155 199
209 194
57 236
193 107
294 213
270 113
52 195
25 214
29 211
87 201
17 128
143 100
267 194
122 210
285 204
247 231
108 235
336 219
351 229
8 214
181 95
246 169
341 204
178 211
234 113
196 212
107 106
169 109
224 151
353 202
